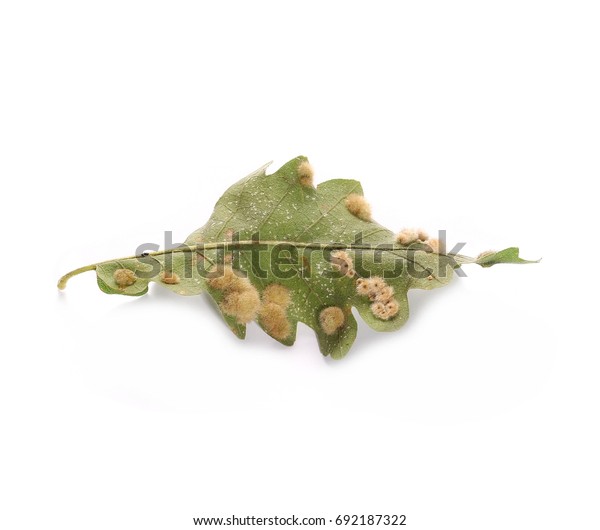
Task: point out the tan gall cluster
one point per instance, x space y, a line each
413 235
384 305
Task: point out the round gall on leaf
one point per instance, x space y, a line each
385 310
434 245
407 236
362 287
358 206
124 277
274 321
249 304
392 307
342 262
384 294
375 284
305 174
169 277
243 305
277 294
331 319
423 236
224 279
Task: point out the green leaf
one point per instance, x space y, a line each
106 280
508 255
278 251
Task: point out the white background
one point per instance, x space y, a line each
119 120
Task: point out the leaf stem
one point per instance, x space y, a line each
237 245
62 283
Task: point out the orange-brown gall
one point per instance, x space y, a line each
382 295
376 289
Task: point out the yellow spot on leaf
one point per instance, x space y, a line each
385 310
